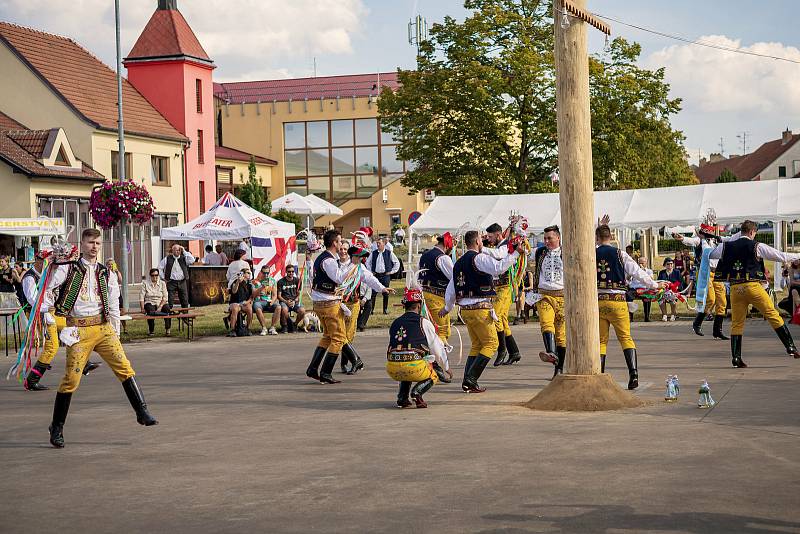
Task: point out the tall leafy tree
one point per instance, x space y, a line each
726 176
478 114
252 192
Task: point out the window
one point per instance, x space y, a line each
200 157
202 197
782 171
159 168
796 168
61 158
294 135
317 134
115 165
198 84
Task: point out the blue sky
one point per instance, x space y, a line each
723 94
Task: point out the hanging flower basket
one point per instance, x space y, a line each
115 202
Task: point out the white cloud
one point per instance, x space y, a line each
246 36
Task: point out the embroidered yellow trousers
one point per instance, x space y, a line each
435 303
615 313
334 334
551 318
502 304
716 301
50 347
103 340
415 371
742 296
350 322
482 332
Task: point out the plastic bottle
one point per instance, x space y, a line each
705 400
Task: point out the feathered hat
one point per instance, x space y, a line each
708 226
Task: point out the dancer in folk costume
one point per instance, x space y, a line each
89 299
55 324
614 269
548 285
741 264
473 288
436 271
416 354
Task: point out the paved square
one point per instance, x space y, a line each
247 443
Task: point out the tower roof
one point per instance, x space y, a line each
167 36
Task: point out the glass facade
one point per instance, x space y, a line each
339 160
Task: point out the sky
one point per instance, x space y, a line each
725 95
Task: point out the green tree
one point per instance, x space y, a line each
478 114
726 176
287 216
252 192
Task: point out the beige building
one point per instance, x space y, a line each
233 170
325 138
776 159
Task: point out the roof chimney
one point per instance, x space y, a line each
786 137
168 5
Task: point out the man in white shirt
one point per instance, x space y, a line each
211 257
399 235
436 271
174 269
472 288
383 263
548 282
244 245
89 298
741 264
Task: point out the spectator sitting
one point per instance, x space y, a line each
222 255
671 275
154 299
211 257
265 299
241 301
236 266
288 295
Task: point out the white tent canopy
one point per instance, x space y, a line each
322 206
293 203
774 200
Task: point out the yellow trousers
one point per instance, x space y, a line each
334 335
551 318
502 304
415 371
51 343
435 303
103 340
482 332
615 313
716 301
742 296
350 322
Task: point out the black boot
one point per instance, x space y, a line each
736 352
418 390
34 375
786 338
136 399
316 359
548 355
347 357
355 360
470 361
697 325
630 316
60 409
562 355
633 373
718 327
602 363
327 368
513 351
502 351
402 395
443 378
470 383
646 305
89 367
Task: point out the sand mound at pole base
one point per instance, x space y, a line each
583 393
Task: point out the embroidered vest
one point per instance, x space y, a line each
739 263
70 289
610 268
470 282
322 282
406 333
431 278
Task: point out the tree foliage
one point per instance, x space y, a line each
288 216
726 176
478 114
252 192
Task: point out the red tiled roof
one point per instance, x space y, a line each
224 152
166 35
747 167
22 149
359 85
85 83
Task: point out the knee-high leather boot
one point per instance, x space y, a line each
316 359
470 361
345 360
136 399
418 390
562 354
718 327
786 338
502 351
697 325
60 409
355 360
470 384
549 355
602 363
34 375
441 374
633 372
402 395
736 352
513 351
327 368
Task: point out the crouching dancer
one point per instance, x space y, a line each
414 347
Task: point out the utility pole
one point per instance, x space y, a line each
721 147
743 138
417 31
121 163
583 387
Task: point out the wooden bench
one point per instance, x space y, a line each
184 317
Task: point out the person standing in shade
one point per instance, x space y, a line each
383 263
154 299
741 264
472 288
174 270
212 258
222 255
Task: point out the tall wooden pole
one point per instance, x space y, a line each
576 193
